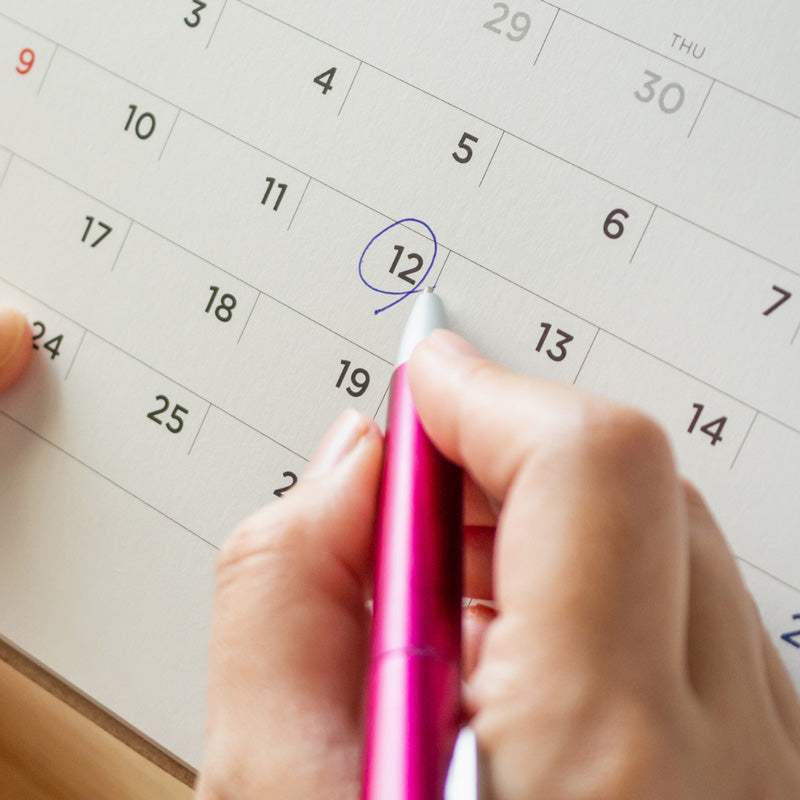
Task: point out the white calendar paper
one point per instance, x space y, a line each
204 204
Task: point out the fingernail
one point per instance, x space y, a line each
12 328
449 343
341 439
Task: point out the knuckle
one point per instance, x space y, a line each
618 438
268 532
693 495
627 751
594 739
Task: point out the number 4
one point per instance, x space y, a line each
325 80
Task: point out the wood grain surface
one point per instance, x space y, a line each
51 751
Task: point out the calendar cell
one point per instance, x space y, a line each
235 471
136 429
747 49
295 84
315 268
235 189
108 130
779 605
403 168
497 316
186 316
755 185
25 57
114 597
57 340
564 240
287 368
644 103
701 298
706 427
759 503
67 267
481 60
5 161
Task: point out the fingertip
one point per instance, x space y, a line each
16 339
341 440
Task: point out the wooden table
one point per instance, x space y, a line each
50 748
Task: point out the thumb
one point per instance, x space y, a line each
290 631
15 346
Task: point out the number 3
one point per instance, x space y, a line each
195 19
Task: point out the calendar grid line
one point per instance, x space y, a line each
47 69
641 238
301 31
205 260
350 88
249 317
688 374
124 240
702 106
586 357
383 398
199 428
216 24
741 446
768 574
260 432
106 478
7 167
491 160
77 349
675 61
442 268
731 242
300 202
169 135
452 105
546 37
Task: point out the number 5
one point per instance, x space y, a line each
462 145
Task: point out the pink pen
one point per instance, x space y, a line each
414 682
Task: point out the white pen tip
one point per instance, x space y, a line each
427 315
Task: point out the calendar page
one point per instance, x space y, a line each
216 214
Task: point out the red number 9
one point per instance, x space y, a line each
26 60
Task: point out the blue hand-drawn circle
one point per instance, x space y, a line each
401 295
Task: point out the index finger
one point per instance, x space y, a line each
15 346
592 541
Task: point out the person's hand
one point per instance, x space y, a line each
626 660
15 346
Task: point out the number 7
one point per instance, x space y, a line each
784 297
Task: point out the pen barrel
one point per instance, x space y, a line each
414 684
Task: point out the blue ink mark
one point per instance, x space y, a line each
406 293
